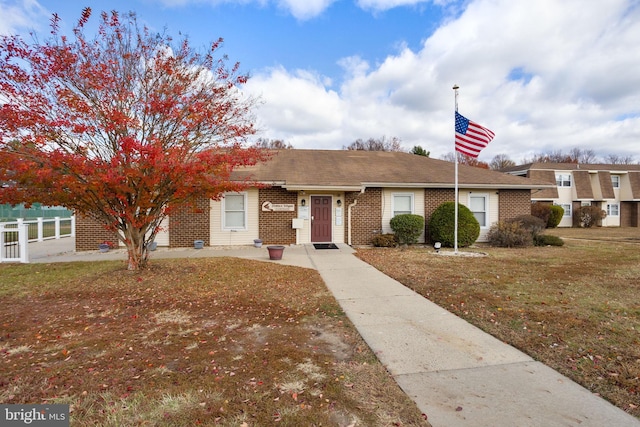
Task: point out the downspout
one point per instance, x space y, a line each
355 202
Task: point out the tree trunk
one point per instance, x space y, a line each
136 249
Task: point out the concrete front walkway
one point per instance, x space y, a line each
457 374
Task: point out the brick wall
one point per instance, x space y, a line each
434 197
90 233
629 214
275 228
514 203
189 224
366 215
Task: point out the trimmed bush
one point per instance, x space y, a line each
510 234
385 241
531 223
442 225
546 240
557 212
588 216
542 211
407 228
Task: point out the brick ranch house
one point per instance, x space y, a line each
335 196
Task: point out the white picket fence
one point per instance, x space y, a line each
15 236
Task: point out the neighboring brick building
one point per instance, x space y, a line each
308 196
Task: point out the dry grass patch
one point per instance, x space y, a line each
575 308
218 341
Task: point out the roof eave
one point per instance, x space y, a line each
452 185
321 187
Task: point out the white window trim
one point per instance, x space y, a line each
246 213
486 207
559 177
609 209
615 183
393 202
567 212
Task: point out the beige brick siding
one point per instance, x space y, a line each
629 214
276 227
366 216
514 203
90 233
189 224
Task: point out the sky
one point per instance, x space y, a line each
544 75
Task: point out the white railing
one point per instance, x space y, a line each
14 243
15 236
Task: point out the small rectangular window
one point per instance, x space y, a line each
613 209
235 211
402 203
563 180
478 206
615 181
566 207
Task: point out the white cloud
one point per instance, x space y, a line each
20 14
295 104
305 9
381 5
543 75
300 9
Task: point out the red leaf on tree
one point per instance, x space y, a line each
122 127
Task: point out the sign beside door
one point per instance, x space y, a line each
278 207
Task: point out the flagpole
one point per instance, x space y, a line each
455 197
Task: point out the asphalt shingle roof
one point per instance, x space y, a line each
348 168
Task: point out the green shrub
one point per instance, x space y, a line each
546 240
442 225
531 223
510 234
407 227
557 212
542 211
385 241
588 216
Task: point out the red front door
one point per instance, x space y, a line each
320 218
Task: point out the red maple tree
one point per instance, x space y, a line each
122 127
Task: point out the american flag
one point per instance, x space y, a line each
471 138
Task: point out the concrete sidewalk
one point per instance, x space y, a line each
457 374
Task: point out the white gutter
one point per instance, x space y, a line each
355 202
450 185
320 187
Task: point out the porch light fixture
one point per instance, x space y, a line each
339 202
303 202
437 246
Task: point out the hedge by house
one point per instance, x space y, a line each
442 225
407 228
557 212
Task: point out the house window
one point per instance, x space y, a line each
566 207
613 209
234 206
563 180
615 181
402 203
478 206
